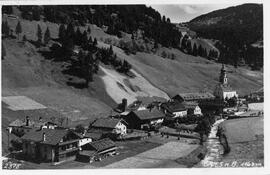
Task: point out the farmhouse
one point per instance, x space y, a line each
85 139
113 125
51 145
223 90
192 108
174 109
93 134
97 149
144 119
197 97
19 127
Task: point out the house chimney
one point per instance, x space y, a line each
27 121
124 104
84 132
43 137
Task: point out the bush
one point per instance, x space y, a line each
163 54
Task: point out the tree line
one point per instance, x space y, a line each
89 55
187 47
126 18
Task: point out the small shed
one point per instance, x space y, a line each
97 149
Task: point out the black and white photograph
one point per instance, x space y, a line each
132 85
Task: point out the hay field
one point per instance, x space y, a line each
162 156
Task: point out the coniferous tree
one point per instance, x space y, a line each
195 50
47 36
68 46
95 42
18 29
88 65
90 41
204 53
200 50
126 66
7 9
84 41
184 43
5 28
62 32
110 50
163 54
78 38
156 44
210 53
89 30
79 129
189 47
70 31
173 56
36 14
4 53
24 38
39 34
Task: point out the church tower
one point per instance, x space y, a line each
223 76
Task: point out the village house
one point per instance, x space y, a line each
195 97
192 108
19 127
97 149
174 109
223 90
144 119
85 139
51 145
112 125
94 134
144 103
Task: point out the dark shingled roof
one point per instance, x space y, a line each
17 122
102 144
93 135
190 105
196 96
32 123
21 123
106 123
173 106
53 136
146 114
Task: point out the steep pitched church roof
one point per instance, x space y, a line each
226 88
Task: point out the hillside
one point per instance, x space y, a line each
194 71
188 73
27 72
237 29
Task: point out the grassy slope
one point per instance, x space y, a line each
188 73
189 76
26 72
185 74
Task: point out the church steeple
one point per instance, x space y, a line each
223 76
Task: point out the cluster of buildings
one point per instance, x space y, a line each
47 141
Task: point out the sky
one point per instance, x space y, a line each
185 12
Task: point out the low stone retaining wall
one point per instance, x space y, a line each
223 139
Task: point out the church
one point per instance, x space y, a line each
223 90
